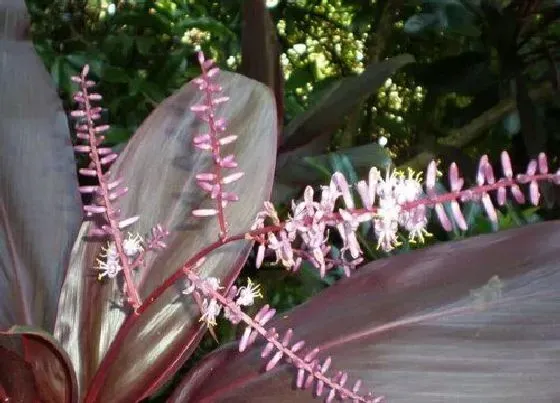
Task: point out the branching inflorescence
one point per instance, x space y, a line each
391 202
122 254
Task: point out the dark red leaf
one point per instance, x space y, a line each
39 202
159 166
424 326
34 367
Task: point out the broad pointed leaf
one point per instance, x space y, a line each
474 320
39 202
159 165
37 369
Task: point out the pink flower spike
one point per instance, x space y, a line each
532 168
228 162
232 178
227 140
431 174
458 215
219 100
102 128
230 196
88 189
114 184
88 172
204 146
489 207
344 189
118 193
443 219
92 208
108 159
205 177
204 212
506 165
202 138
480 173
543 163
213 72
534 193
272 363
82 149
517 194
455 181
199 108
244 341
129 221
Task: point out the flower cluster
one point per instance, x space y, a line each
310 369
395 202
205 290
310 220
213 141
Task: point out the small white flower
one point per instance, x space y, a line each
132 245
246 295
110 268
210 311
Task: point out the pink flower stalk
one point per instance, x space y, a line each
213 182
391 203
310 370
124 253
106 192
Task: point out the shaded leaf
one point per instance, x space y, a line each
159 165
296 170
419 23
39 201
474 320
38 366
328 114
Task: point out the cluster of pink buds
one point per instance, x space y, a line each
213 141
396 202
311 220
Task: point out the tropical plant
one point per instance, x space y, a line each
113 317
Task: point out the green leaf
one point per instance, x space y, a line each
419 23
328 114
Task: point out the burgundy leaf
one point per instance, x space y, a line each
39 201
474 320
38 369
159 166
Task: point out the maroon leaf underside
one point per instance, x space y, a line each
159 166
39 202
412 329
37 369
